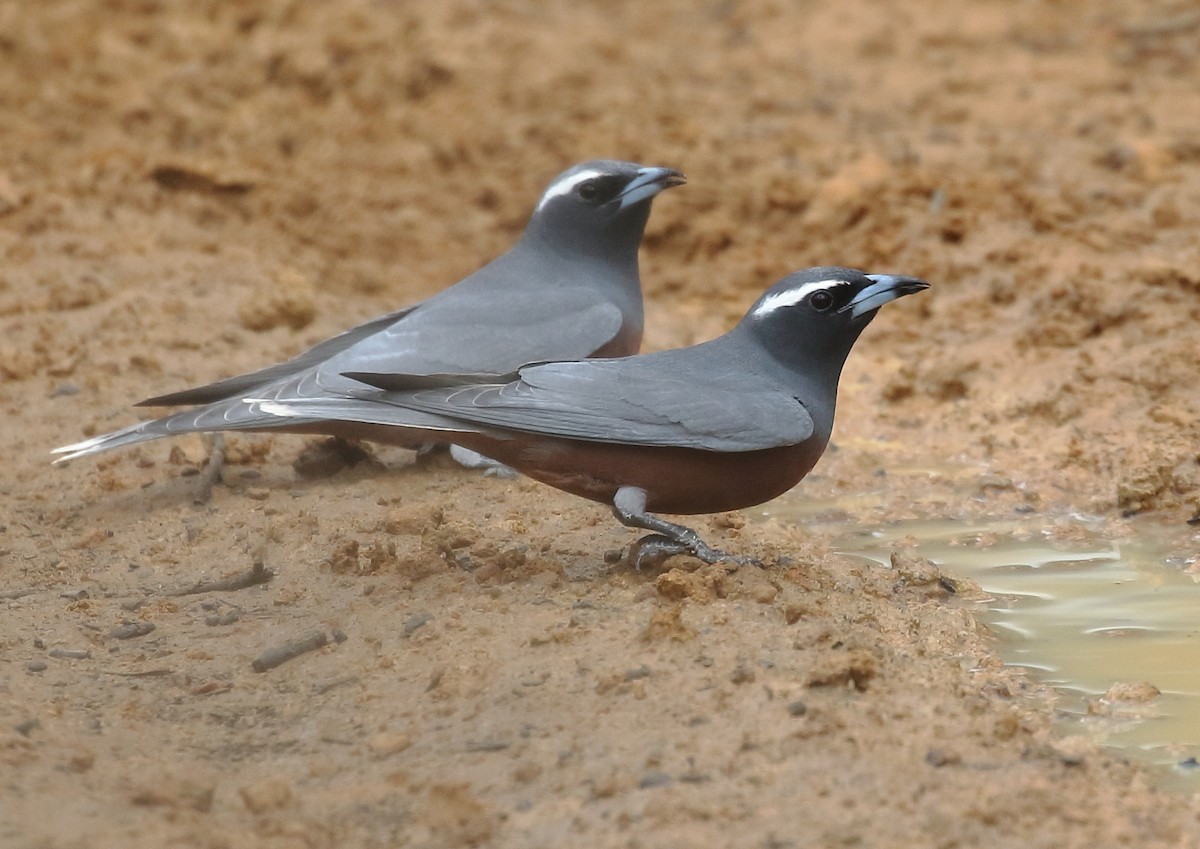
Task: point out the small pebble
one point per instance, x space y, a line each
635 674
654 778
388 743
36 666
417 620
486 745
942 757
1132 691
742 674
130 630
797 708
269 794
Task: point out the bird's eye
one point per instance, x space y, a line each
820 300
588 190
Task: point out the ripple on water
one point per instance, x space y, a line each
1081 616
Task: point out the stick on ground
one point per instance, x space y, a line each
282 654
258 574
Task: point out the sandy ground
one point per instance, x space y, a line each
192 190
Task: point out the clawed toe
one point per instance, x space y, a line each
629 506
653 549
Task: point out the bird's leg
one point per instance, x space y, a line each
629 506
211 474
469 459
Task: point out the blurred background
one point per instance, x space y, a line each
228 182
193 190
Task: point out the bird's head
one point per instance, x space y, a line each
812 318
600 206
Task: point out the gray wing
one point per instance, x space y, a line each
479 337
489 322
236 386
624 401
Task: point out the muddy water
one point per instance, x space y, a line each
1081 615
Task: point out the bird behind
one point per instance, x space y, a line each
569 288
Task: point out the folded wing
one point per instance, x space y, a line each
616 401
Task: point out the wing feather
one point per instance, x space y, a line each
314 356
624 402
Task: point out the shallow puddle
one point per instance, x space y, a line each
1081 615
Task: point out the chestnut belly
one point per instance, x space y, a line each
676 480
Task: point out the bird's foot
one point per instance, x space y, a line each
653 549
474 460
629 507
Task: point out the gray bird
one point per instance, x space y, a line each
568 289
719 426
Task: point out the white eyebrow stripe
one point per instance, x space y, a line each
791 297
566 185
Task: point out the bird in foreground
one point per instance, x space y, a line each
723 425
568 289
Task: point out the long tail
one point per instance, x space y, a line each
231 415
338 416
359 411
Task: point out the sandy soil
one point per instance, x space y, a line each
192 190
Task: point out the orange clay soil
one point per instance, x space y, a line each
192 190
